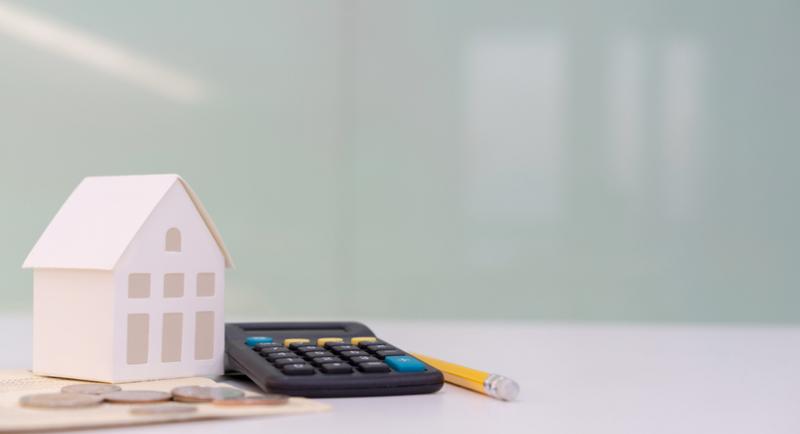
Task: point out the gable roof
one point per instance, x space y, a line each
100 219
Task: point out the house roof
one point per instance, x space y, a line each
101 218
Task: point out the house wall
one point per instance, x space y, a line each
73 323
147 254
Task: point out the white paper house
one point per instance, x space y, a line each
129 283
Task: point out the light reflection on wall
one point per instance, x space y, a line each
626 114
683 69
514 120
514 110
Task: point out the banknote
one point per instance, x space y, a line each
15 384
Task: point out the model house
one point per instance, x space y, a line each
129 283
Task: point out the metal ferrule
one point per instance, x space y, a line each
500 387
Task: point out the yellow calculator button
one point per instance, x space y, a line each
287 342
356 341
322 341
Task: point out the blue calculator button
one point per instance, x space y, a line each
252 340
404 364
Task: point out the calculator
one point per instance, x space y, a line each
324 359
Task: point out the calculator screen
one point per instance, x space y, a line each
289 327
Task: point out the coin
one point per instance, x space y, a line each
159 409
90 389
60 400
269 399
136 396
204 394
223 393
191 394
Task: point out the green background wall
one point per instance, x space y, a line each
615 160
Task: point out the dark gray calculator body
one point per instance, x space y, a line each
324 359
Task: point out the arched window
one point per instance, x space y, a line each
173 243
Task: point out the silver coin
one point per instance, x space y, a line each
60 400
90 389
192 394
204 394
268 399
223 393
136 396
159 409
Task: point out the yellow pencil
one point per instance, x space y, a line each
496 386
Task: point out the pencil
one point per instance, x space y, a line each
494 385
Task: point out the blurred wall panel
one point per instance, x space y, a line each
615 160
625 160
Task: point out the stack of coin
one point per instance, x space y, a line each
90 395
205 394
91 389
60 400
225 396
137 396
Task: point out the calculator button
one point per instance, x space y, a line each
261 346
359 340
341 348
332 345
315 354
373 367
288 361
281 355
298 369
296 342
322 341
252 340
307 348
363 359
405 364
336 368
321 360
365 344
379 347
353 353
270 350
388 353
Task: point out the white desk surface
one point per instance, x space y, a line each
574 378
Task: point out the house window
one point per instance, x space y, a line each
139 285
172 337
205 284
204 335
138 332
173 240
173 285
